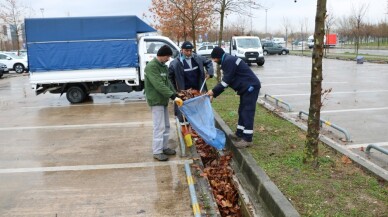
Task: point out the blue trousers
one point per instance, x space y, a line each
246 114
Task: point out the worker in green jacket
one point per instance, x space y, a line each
158 91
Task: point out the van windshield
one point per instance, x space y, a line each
248 42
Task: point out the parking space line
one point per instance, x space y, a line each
349 110
355 146
81 126
125 101
332 93
304 83
94 167
284 77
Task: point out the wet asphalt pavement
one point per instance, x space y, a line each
91 159
358 101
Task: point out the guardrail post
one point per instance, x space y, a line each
328 123
369 147
278 100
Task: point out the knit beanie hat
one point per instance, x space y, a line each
217 53
187 45
165 50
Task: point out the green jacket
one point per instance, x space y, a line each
157 86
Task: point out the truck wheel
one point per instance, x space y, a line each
1 74
75 94
284 52
260 63
265 53
19 68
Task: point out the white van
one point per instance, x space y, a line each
248 48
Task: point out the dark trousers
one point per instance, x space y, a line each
246 114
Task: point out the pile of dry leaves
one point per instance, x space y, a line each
217 170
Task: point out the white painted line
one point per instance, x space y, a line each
355 146
281 77
122 102
356 110
81 126
306 83
348 92
94 167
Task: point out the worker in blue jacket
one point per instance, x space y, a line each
238 76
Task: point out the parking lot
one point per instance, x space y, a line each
357 101
91 159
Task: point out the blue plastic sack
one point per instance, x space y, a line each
199 112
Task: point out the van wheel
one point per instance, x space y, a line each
75 94
19 68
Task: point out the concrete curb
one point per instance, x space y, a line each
260 186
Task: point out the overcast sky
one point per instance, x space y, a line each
296 13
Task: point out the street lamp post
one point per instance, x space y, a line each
42 11
266 20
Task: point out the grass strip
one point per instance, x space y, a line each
337 188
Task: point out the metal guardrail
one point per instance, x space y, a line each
328 123
378 148
278 100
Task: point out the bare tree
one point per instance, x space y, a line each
329 23
286 25
313 123
356 21
225 7
12 13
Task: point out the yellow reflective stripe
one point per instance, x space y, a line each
190 180
328 123
196 209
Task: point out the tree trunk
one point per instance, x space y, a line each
312 138
222 14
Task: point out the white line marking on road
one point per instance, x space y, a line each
78 126
354 146
123 102
356 110
306 83
94 167
280 77
345 92
348 110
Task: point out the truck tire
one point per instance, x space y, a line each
19 68
265 53
260 63
284 52
1 74
75 94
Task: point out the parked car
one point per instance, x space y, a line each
14 62
205 50
273 48
3 69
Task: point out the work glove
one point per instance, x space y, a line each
178 101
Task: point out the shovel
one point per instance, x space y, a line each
187 134
203 85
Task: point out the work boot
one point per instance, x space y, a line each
160 157
242 144
234 137
169 151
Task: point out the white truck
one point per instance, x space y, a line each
83 55
248 48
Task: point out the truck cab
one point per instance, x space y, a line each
248 48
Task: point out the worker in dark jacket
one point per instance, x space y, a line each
158 90
238 76
188 71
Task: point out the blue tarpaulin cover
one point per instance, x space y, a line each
199 112
73 43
